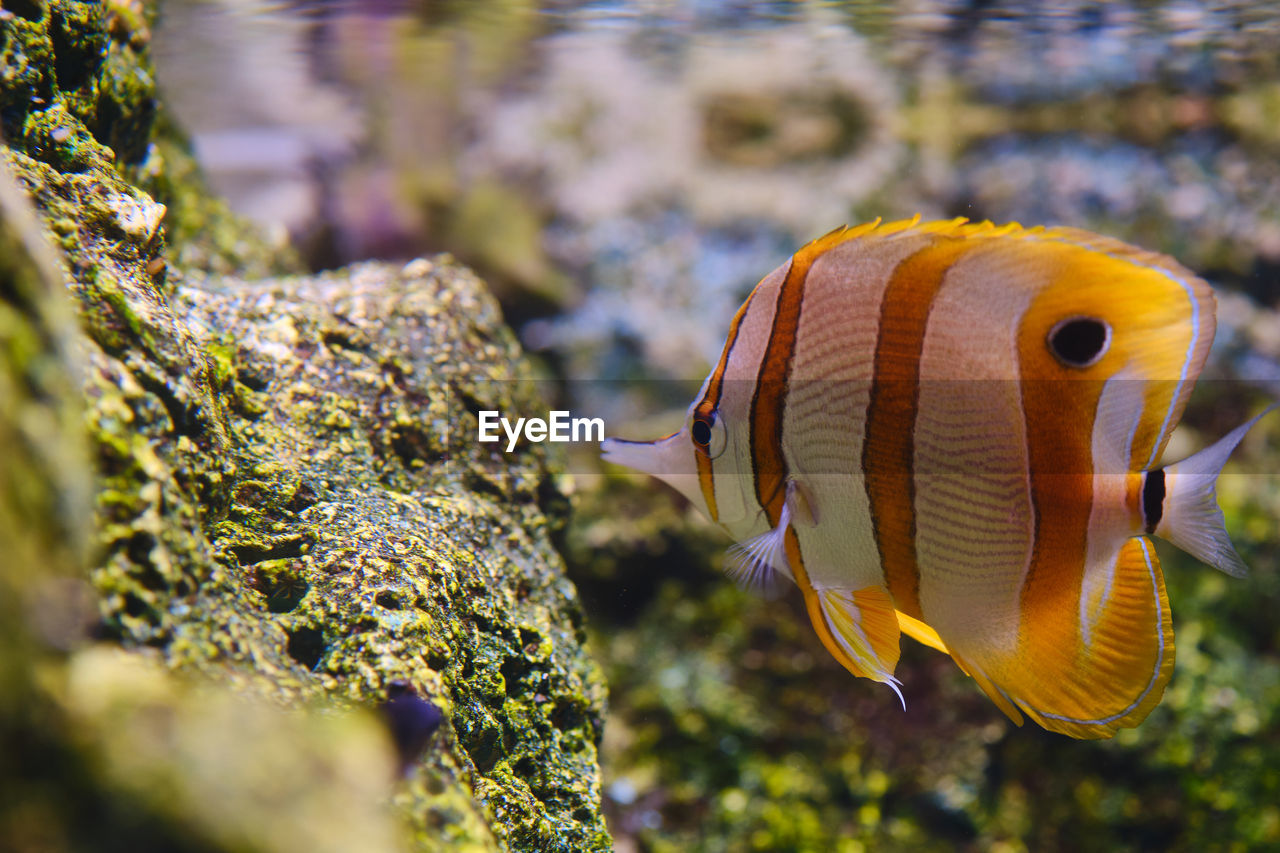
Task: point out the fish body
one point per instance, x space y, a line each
954 431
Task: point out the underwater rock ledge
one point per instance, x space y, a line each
384 546
290 521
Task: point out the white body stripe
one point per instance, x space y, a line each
734 485
830 388
1178 394
1120 410
974 518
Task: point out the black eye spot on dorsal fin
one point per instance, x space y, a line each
1153 498
1079 341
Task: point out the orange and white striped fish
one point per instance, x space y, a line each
954 431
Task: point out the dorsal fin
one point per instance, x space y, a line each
913 227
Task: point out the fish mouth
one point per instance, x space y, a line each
656 457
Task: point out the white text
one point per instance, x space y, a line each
558 426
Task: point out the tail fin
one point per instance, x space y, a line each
1191 518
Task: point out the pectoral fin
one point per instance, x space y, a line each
755 563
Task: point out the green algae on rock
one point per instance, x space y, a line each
97 743
286 504
44 494
283 509
383 544
79 79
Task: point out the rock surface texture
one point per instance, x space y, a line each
291 519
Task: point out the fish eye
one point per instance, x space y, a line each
701 432
708 434
1079 341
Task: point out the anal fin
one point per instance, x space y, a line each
994 693
1089 685
922 633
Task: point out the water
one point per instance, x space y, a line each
624 172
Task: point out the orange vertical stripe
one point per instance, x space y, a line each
888 452
768 404
1060 455
710 402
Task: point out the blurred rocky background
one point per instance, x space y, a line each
623 172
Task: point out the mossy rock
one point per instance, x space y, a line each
378 542
44 489
105 749
288 505
290 502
